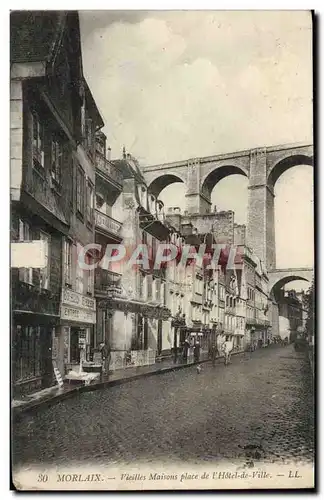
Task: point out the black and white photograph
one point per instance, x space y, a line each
162 279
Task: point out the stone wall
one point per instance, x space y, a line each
239 234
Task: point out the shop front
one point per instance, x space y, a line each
35 314
74 336
135 337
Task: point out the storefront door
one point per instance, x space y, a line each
74 345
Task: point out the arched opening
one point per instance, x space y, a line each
286 164
288 294
294 218
286 283
218 174
160 183
171 190
231 193
227 189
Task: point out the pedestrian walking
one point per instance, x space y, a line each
196 352
213 353
105 356
186 346
227 349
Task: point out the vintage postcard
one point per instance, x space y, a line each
162 270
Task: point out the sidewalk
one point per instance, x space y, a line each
55 394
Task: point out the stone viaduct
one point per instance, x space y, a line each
263 167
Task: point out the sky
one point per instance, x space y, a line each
174 85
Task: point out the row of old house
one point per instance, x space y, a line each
67 192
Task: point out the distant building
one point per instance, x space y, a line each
234 297
291 309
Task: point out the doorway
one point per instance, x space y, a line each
74 345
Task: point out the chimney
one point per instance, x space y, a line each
124 152
109 153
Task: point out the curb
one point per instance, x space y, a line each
34 406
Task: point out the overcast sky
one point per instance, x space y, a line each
175 85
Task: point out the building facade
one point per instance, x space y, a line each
291 314
53 124
134 305
231 302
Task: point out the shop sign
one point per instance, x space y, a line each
75 314
71 298
114 291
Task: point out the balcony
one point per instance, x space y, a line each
31 299
109 170
257 321
107 283
107 224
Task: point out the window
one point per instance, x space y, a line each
149 287
45 271
100 147
157 290
26 354
90 192
67 263
163 294
90 284
88 135
56 161
38 141
79 279
25 273
141 286
80 191
144 237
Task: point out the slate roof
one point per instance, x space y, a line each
32 34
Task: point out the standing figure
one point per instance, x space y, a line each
227 350
196 352
186 346
105 356
213 353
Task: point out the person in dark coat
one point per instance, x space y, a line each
186 346
197 352
213 353
105 356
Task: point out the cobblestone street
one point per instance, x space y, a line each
259 407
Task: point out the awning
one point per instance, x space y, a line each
135 306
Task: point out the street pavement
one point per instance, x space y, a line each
260 407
